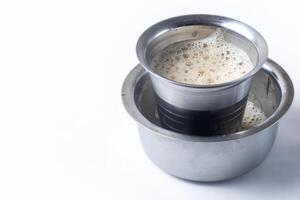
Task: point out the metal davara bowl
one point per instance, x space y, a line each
209 158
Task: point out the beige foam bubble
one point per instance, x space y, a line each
204 62
253 116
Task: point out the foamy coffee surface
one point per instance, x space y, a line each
253 116
203 62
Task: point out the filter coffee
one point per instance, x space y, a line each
253 116
202 62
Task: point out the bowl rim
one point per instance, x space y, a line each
238 27
270 67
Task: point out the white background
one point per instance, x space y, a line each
64 133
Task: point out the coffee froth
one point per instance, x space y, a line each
253 116
208 61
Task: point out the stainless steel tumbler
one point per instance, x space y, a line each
189 108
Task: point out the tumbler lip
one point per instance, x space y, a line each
236 26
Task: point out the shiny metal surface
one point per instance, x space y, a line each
212 158
200 97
